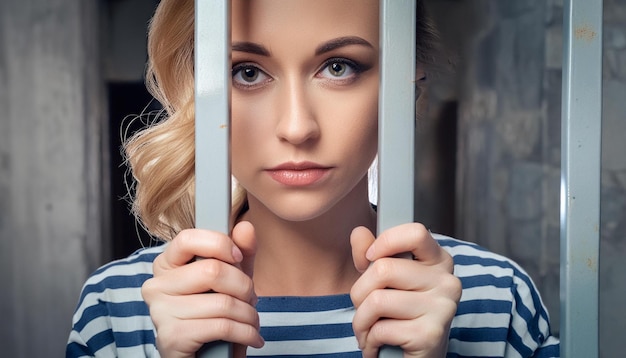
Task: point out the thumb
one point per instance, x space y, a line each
243 236
361 239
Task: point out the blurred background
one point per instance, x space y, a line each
488 157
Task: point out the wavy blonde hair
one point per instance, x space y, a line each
162 156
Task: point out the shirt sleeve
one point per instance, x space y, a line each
529 333
111 318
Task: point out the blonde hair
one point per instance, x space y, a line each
162 156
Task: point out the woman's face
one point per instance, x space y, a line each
304 101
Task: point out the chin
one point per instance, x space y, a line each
302 205
299 209
300 213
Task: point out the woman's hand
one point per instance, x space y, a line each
403 302
185 315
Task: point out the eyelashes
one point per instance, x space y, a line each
336 71
340 69
249 76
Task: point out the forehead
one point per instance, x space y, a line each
304 20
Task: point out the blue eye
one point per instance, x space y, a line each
247 75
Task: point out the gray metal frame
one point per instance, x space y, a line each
212 103
580 176
396 113
581 143
396 120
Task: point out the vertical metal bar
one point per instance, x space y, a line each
396 122
212 103
580 176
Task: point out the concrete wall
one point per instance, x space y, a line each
50 169
508 165
613 195
56 59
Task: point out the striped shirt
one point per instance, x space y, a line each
500 314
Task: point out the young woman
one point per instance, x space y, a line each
301 273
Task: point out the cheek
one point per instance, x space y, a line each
246 124
244 137
371 115
359 118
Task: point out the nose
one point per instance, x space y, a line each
297 123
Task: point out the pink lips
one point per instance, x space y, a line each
298 174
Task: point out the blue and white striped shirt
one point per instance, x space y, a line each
500 314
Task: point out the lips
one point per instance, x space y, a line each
298 174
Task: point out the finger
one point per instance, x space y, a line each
413 238
402 305
423 338
244 237
361 239
192 243
203 306
176 336
394 273
202 276
386 304
406 275
413 320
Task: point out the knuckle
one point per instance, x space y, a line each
225 326
148 289
381 332
378 299
355 297
447 260
420 233
160 264
225 303
450 310
360 331
248 286
452 285
212 270
420 228
383 269
183 239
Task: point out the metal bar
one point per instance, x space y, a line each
580 176
212 132
396 120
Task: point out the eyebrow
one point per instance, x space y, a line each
341 42
250 47
254 48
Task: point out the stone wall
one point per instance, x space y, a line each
613 194
508 86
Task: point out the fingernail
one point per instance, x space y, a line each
237 255
369 254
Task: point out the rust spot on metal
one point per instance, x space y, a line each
585 33
591 264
